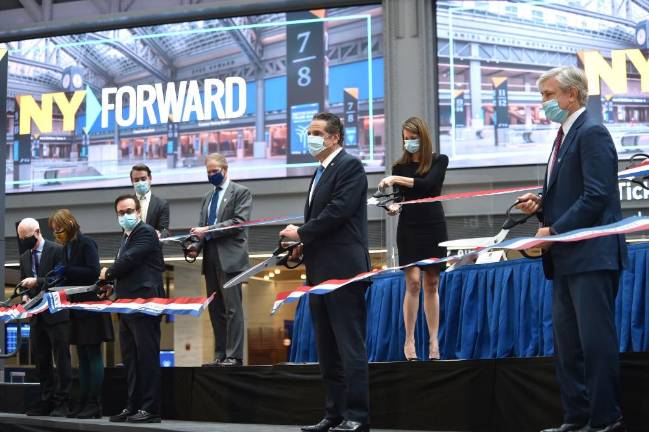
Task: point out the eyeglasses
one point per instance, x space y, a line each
129 211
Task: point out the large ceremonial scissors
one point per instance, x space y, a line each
385 196
480 242
280 256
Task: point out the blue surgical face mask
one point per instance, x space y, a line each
316 144
216 179
411 146
141 187
128 221
553 112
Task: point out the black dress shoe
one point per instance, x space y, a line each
91 410
62 410
121 417
618 426
231 362
215 363
143 417
350 426
324 425
568 427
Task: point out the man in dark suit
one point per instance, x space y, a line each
137 273
154 210
581 190
50 333
334 238
225 254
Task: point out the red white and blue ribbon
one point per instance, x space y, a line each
639 170
194 306
624 226
251 223
57 301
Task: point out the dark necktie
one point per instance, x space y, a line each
122 243
36 260
211 218
555 151
318 174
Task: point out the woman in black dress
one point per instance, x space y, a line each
419 173
88 329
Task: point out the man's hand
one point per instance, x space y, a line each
159 234
199 231
102 273
29 282
394 209
529 203
25 298
192 251
387 181
296 253
105 291
290 233
544 232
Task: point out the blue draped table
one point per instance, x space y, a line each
486 311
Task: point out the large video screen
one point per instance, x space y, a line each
491 53
83 108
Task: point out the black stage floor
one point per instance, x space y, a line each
20 423
495 395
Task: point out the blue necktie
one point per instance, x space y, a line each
318 174
36 260
211 218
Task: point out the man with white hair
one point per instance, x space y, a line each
50 333
580 190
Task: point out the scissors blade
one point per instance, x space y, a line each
244 276
69 290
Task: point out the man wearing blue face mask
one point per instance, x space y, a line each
137 273
225 254
155 210
581 190
334 236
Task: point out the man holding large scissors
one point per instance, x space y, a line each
334 238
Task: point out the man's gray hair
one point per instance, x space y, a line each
568 76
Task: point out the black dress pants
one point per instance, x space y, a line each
52 341
139 337
340 320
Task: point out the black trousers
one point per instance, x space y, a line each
226 310
340 320
139 338
52 340
586 346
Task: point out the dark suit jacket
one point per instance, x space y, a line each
583 192
232 244
137 271
335 230
51 256
81 260
158 215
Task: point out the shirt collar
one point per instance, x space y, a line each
567 124
328 159
146 196
224 185
41 243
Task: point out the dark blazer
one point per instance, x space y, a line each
51 256
583 192
81 260
137 270
334 233
232 244
158 215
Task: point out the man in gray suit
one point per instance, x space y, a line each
225 254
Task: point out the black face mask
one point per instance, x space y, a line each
28 242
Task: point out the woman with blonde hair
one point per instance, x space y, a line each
419 173
88 329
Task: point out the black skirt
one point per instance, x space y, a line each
89 328
420 241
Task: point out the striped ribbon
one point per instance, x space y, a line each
57 301
625 226
251 223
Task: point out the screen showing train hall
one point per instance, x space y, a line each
83 108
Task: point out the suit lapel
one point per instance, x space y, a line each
151 210
327 173
567 142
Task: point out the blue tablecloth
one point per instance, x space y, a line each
486 311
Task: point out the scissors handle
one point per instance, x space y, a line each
512 220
